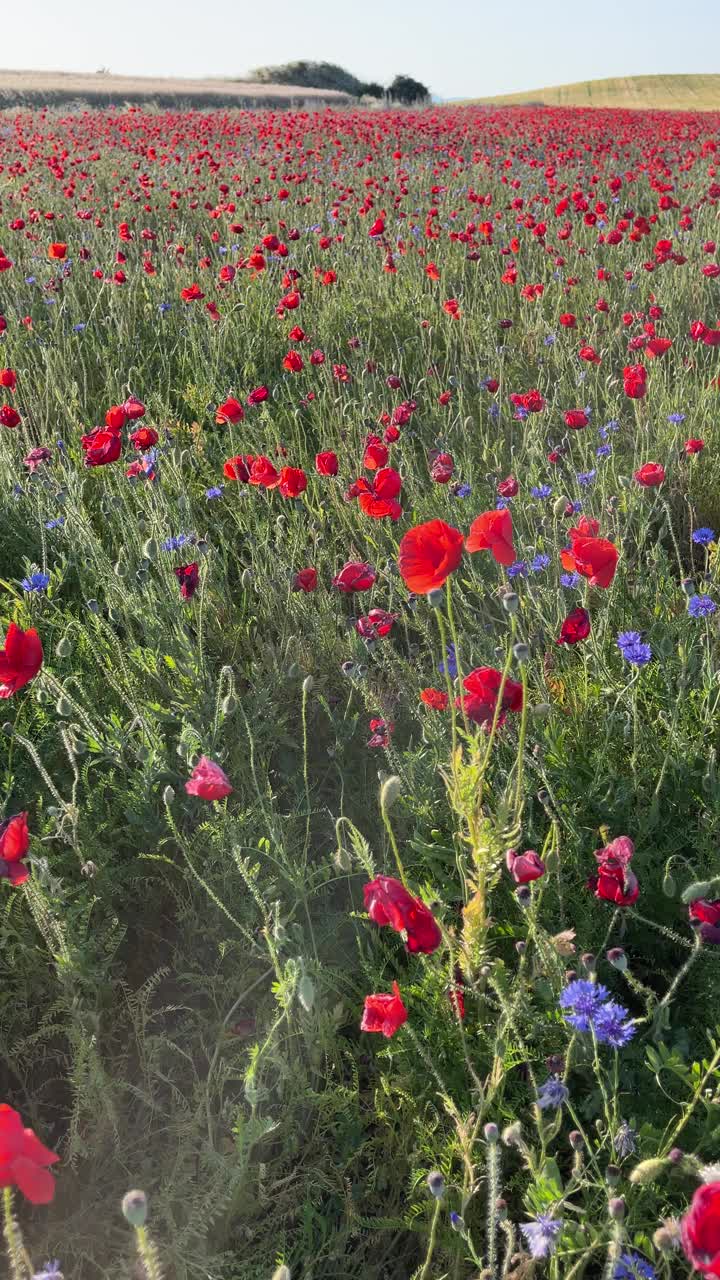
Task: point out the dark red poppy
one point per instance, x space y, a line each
387 901
257 396
326 464
376 624
208 781
650 475
576 627
615 883
524 867
24 1160
292 482
9 417
101 447
188 575
594 558
384 1013
305 580
20 659
705 916
230 410
436 699
576 419
238 468
493 531
380 732
700 1230
14 845
482 689
693 446
133 408
441 468
508 488
354 576
144 438
635 381
428 554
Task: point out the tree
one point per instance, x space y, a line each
408 91
372 90
312 75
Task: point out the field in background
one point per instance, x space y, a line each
657 93
55 88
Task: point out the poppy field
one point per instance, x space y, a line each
360 680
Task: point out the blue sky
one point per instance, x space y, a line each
470 47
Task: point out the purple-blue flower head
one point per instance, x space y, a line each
541 1236
552 1094
579 1001
541 491
632 1266
703 537
633 648
701 606
611 1024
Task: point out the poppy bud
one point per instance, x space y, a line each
435 598
520 945
688 586
8 729
616 1208
676 1156
669 887
150 549
390 791
436 1184
524 896
501 1209
307 685
246 579
541 710
93 606
63 647
306 992
612 1175
617 959
510 602
228 705
559 506
576 1140
521 652
63 707
282 1273
168 796
342 859
120 569
699 889
134 1207
456 1222
648 1171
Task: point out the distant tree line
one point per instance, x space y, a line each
326 75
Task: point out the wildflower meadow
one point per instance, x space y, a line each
360 681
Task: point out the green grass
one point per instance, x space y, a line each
656 93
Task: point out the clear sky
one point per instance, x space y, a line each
460 49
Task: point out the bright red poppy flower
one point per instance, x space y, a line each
436 699
24 1160
594 558
230 410
387 901
657 347
354 576
650 475
380 499
258 396
293 362
482 689
292 482
305 580
693 446
188 575
144 438
635 381
8 379
524 867
576 627
133 408
14 845
326 463
20 659
428 554
263 473
238 468
493 531
700 1230
376 454
57 252
208 781
101 447
384 1013
442 467
576 419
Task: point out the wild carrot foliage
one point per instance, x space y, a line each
358 580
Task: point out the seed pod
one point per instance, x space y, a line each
307 685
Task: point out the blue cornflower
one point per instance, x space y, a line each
57 523
701 606
461 491
569 579
519 569
603 451
624 1142
78 328
586 478
632 1266
539 562
163 307
552 1094
450 664
521 413
633 649
36 582
502 504
550 340
541 1236
676 418
612 425
703 536
216 491
582 998
30 279
174 544
541 491
611 1024
494 409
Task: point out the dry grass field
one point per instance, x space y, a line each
49 88
658 93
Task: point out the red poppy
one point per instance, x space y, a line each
144 438
24 1159
230 410
532 401
326 464
700 1230
133 408
293 362
36 456
188 575
615 882
14 845
192 293
305 580
57 252
568 320
376 454
428 554
575 628
380 731
508 488
650 475
492 531
101 447
20 659
208 781
586 527
263 473
258 396
8 379
376 624
380 499
705 915
115 417
9 417
594 558
524 867
292 482
384 1013
441 468
238 468
635 381
436 699
354 576
317 357
576 419
693 446
657 347
482 687
387 901
452 307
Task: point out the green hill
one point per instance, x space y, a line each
682 93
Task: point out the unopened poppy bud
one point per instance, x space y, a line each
510 602
616 1208
491 1132
698 889
168 796
93 606
523 896
348 668
228 704
456 1222
436 1184
688 586
617 959
648 1171
63 707
541 709
120 569
306 992
390 791
559 505
281 1273
435 598
307 685
576 1140
612 1175
8 729
501 1209
246 579
63 647
669 886
134 1207
521 652
342 859
520 945
293 671
150 549
588 961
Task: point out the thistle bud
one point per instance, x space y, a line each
588 961
576 1140
688 586
501 1209
676 1156
435 598
617 958
436 1184
134 1207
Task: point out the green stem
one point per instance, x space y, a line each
148 1254
431 1242
17 1257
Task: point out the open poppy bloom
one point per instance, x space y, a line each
238 468
428 554
14 845
436 699
188 575
305 580
24 1159
292 482
326 463
355 575
208 781
379 499
615 882
482 691
492 531
524 867
575 628
20 659
377 624
387 901
594 558
635 381
57 252
705 917
650 475
701 1230
101 447
9 416
144 438
230 410
384 1013
263 473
